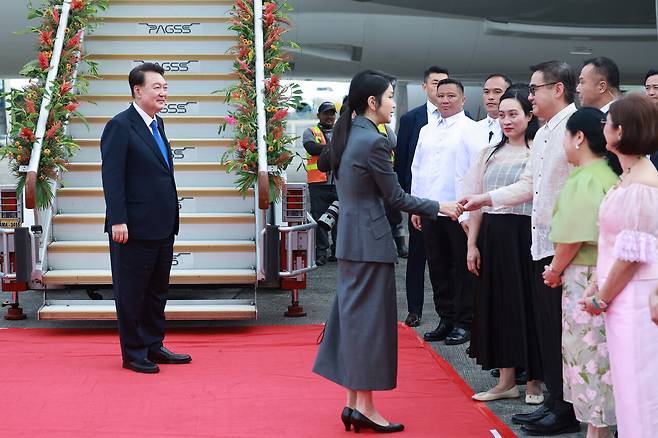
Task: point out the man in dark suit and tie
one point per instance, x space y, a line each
410 126
141 220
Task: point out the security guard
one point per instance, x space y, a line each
321 184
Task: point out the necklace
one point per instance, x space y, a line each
627 171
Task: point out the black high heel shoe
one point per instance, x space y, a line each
360 421
346 418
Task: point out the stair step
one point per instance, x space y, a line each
186 174
121 64
193 226
190 199
186 105
162 8
163 26
188 254
178 276
133 44
175 126
200 310
185 150
198 84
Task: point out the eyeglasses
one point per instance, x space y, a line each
532 89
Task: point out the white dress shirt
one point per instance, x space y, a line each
491 125
147 119
444 154
432 112
605 108
542 180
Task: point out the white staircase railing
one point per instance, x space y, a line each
35 158
263 186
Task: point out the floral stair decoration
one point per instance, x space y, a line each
242 158
25 103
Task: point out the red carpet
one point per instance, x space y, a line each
243 382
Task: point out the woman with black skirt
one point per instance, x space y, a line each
503 334
359 348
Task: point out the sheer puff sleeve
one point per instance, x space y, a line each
636 240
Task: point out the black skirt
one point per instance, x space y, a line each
503 332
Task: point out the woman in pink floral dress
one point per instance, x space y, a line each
575 231
627 268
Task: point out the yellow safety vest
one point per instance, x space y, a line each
313 174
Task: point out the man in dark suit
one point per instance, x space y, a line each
410 126
141 219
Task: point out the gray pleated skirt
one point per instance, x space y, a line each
359 350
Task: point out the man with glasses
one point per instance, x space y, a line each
552 93
598 84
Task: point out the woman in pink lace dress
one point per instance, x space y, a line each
627 269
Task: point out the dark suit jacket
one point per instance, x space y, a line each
364 182
410 126
138 185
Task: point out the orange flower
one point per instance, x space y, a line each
53 129
46 38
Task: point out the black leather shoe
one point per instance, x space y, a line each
321 260
141 366
360 421
346 418
413 320
403 249
332 259
165 356
551 424
458 336
438 334
531 417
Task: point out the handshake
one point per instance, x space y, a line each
467 203
455 209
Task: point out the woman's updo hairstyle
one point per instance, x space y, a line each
588 121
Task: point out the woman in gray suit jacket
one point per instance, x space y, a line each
359 349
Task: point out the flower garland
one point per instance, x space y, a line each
57 147
243 156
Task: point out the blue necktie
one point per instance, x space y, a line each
159 141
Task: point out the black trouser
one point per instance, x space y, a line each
140 279
547 313
322 195
452 283
415 279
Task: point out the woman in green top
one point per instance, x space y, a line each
574 230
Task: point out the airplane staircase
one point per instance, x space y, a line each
216 246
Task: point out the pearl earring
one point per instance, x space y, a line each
577 146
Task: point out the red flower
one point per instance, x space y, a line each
65 87
77 4
268 19
75 40
71 106
277 132
27 134
43 60
53 129
269 7
29 107
243 143
56 15
279 115
46 38
273 83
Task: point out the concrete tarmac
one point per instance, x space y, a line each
317 301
